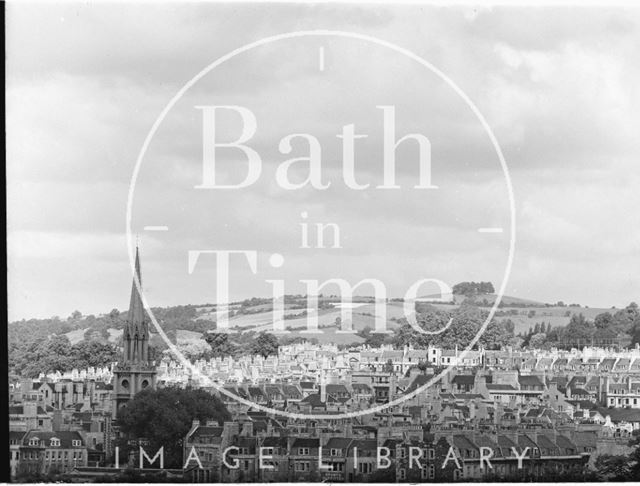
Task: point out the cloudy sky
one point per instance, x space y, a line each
86 82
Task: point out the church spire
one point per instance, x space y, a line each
136 309
136 335
135 371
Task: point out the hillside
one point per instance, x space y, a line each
256 315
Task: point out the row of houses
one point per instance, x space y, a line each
228 454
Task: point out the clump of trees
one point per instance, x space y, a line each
468 320
163 418
243 343
621 328
40 345
56 353
473 288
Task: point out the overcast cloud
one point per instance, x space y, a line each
85 82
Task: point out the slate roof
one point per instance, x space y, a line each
315 401
545 442
365 446
275 442
506 444
622 364
565 443
419 381
583 404
16 437
607 363
207 431
337 443
464 379
621 414
497 387
463 442
526 441
66 438
530 380
337 389
307 442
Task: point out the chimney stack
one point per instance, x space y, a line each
323 389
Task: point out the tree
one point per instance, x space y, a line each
444 474
537 340
473 288
195 349
467 321
613 467
579 331
220 344
604 320
265 344
509 326
92 353
164 416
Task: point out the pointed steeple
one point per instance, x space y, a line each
136 333
136 309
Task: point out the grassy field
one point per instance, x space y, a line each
76 336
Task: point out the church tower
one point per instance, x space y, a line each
134 372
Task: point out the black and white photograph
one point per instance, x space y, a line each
322 242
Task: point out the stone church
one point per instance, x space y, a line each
134 371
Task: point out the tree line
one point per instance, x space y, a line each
621 328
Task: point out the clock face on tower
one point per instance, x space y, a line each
335 178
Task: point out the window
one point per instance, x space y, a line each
431 453
403 474
365 467
34 441
55 442
77 443
432 471
303 466
336 452
303 451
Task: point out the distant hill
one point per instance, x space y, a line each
489 299
188 322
